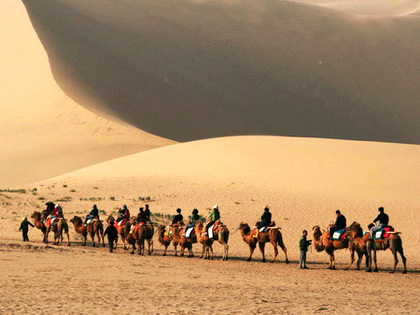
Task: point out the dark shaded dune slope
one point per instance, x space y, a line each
187 70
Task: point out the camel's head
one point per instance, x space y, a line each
243 225
316 228
36 214
76 219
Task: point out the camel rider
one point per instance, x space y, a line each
179 218
265 219
94 213
124 213
141 217
382 220
194 218
213 217
147 213
49 209
340 223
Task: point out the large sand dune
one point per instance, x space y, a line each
43 132
199 69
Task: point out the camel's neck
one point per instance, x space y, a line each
318 244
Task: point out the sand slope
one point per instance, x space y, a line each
43 132
369 7
303 180
199 69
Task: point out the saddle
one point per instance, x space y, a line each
51 220
340 234
383 233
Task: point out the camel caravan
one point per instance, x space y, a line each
136 234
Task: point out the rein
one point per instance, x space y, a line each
235 231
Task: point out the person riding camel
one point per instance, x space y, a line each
141 217
194 218
265 219
213 217
383 220
49 209
147 213
94 213
340 223
179 218
123 213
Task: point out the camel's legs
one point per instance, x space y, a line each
84 239
203 251
92 236
374 261
404 260
261 245
176 249
150 247
251 250
352 259
225 251
359 260
166 247
276 251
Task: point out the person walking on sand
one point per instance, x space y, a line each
24 227
303 246
112 234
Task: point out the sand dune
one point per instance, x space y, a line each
303 180
43 132
369 7
190 70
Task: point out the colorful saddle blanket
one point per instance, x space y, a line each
337 235
51 220
384 233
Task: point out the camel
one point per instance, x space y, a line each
322 242
141 233
221 234
254 237
40 224
58 227
178 234
95 227
202 237
123 231
165 238
393 242
357 243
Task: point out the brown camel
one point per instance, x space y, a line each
122 229
254 237
95 227
144 232
40 224
393 242
203 238
221 234
176 231
164 237
322 242
357 243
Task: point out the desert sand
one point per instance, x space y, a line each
94 96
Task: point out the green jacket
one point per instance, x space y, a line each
214 215
303 244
